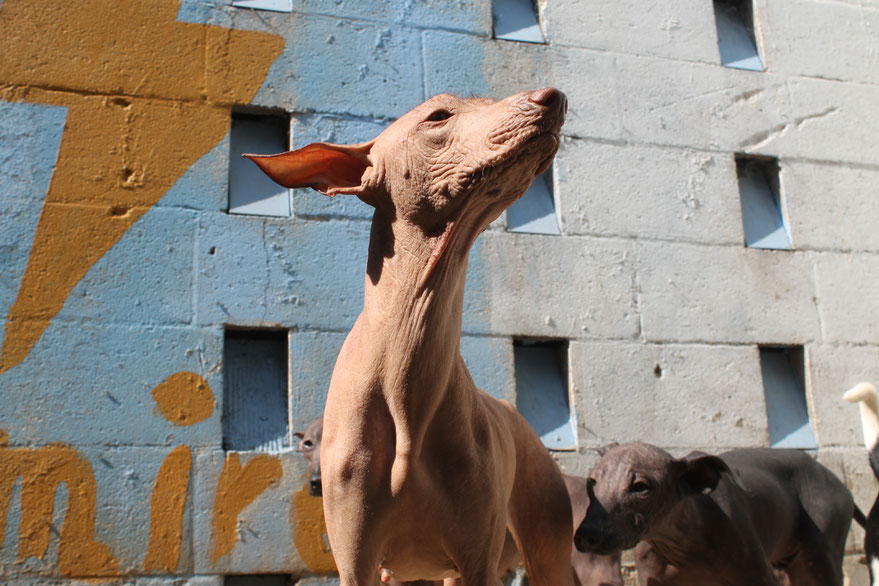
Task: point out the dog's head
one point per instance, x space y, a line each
446 160
633 486
309 446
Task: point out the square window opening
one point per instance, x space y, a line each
258 580
763 217
535 212
542 397
516 20
736 40
255 390
787 412
251 192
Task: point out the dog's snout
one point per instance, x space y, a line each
549 97
314 487
587 538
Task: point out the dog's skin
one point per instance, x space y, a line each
865 395
423 472
750 517
589 569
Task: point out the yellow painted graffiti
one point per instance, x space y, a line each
166 511
237 488
41 471
146 97
309 532
184 398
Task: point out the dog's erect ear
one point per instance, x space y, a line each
699 473
328 168
602 450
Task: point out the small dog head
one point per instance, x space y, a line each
447 160
633 486
309 446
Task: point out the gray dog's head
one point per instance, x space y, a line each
633 486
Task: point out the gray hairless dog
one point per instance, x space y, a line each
424 474
589 569
749 517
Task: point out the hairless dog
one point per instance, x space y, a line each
423 472
589 569
865 394
749 517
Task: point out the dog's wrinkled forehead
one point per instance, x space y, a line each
620 463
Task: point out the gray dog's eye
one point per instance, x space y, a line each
639 487
307 444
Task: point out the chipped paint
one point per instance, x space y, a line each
237 488
184 398
166 511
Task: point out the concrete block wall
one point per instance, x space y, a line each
120 267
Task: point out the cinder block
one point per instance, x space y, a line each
264 529
256 271
803 45
833 121
441 50
831 207
123 484
547 286
343 66
490 362
204 185
674 396
672 30
145 278
833 371
846 295
84 384
696 105
726 294
313 359
669 194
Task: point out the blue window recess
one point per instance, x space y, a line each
255 391
736 40
251 192
763 216
534 212
516 20
783 371
542 395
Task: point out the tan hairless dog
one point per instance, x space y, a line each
589 569
423 472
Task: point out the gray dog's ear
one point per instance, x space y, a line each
699 473
328 168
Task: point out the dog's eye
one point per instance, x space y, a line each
639 487
439 116
307 444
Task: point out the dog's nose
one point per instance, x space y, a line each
587 539
549 97
314 487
